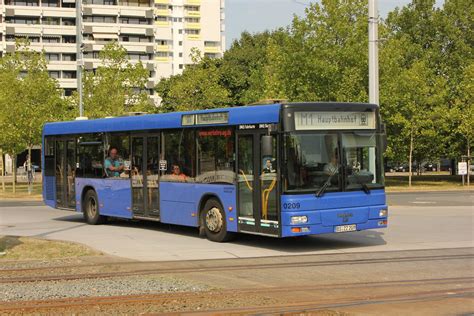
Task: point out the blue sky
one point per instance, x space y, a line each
260 15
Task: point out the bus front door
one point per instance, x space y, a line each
257 185
65 172
145 176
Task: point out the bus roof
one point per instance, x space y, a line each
255 114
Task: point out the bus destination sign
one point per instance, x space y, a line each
205 118
334 120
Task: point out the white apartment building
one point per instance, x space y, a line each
160 33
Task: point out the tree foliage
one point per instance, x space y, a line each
117 86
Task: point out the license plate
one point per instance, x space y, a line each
345 228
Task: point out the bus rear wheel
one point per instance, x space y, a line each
213 221
90 206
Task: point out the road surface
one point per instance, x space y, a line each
416 221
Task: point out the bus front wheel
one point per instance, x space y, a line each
91 209
214 222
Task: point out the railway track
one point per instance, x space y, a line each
54 274
460 288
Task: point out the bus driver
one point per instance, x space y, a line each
113 164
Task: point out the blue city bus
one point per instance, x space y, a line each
278 170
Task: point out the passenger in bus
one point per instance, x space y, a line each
177 175
113 164
268 167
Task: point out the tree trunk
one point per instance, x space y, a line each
410 157
29 174
2 165
14 173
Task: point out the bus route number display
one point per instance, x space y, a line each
205 118
334 120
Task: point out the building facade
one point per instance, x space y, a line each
160 33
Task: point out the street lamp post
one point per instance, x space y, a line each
79 55
373 53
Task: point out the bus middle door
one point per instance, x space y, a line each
257 184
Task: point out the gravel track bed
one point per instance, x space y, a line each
44 290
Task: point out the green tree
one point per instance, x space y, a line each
198 87
117 86
325 55
28 99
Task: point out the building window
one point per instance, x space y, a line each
69 39
180 54
21 20
194 32
69 57
180 66
51 57
215 156
69 21
50 3
69 74
51 40
54 74
180 43
50 20
68 92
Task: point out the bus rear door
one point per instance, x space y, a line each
145 175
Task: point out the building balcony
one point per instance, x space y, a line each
162 12
162 48
67 83
192 26
162 23
192 2
136 12
23 29
62 65
192 14
162 1
163 59
59 47
96 27
58 30
109 10
193 37
138 47
212 49
147 30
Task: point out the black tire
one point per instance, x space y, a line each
90 207
213 221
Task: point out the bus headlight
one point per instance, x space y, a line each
383 213
299 219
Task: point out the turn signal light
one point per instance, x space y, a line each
296 229
383 223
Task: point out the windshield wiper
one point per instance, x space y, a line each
364 185
326 184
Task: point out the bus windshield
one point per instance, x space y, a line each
312 159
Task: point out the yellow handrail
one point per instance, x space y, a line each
265 197
246 180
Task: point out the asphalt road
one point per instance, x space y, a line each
437 220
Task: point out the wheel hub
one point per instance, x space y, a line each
92 207
214 220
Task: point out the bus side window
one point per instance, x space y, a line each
179 153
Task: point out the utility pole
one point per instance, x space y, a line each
373 53
80 61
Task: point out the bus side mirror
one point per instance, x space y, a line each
267 146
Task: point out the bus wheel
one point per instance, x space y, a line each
91 209
213 221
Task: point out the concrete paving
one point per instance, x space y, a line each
431 225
